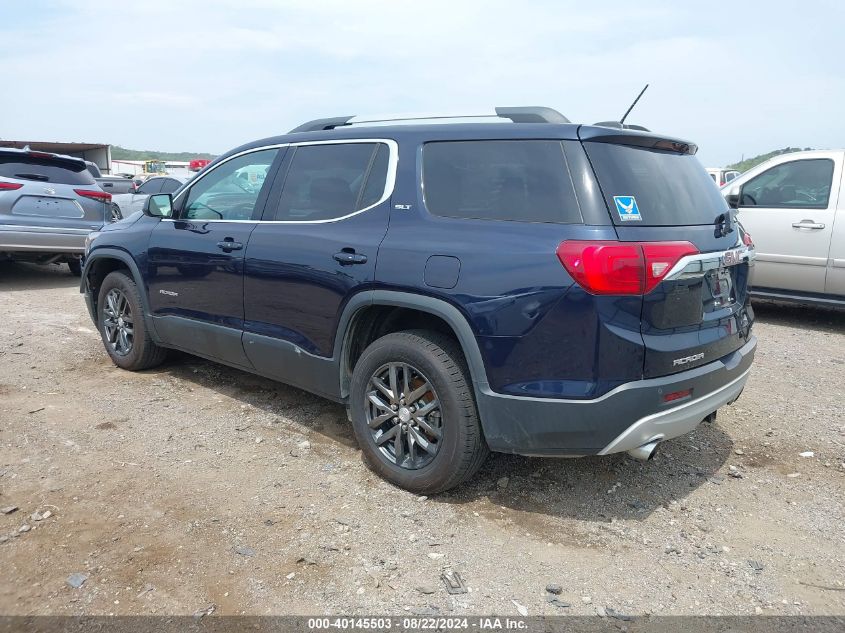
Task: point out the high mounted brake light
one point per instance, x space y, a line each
621 268
96 195
10 186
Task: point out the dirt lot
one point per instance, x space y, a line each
196 485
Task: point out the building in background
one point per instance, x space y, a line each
97 153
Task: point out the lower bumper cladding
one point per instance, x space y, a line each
623 419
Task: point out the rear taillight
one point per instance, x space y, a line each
10 186
746 239
102 196
621 268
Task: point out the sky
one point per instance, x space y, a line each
208 75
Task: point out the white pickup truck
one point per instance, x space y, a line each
793 206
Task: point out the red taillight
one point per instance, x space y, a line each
96 195
10 186
621 268
746 239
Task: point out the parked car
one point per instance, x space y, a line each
111 184
722 176
128 203
48 204
794 207
533 287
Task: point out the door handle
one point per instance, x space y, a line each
349 257
229 244
807 224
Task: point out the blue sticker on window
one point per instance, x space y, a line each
627 208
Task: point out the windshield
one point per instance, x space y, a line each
650 187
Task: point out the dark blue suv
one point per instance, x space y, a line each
518 284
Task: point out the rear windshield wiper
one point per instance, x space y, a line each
724 225
40 177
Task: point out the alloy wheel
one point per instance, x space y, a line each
118 322
403 413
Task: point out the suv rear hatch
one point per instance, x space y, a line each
43 189
695 266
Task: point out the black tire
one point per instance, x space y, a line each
143 353
462 447
75 266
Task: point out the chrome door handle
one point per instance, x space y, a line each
807 224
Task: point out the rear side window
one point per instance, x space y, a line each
525 181
652 187
326 182
153 185
54 170
170 185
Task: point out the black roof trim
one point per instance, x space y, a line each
322 124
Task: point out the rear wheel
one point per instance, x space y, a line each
414 414
75 266
120 319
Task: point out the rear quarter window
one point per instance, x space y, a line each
523 181
669 188
57 171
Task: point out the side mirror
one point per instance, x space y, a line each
732 196
159 205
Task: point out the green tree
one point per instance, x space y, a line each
121 153
748 163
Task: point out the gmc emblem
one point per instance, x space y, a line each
732 258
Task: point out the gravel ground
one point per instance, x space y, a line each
194 485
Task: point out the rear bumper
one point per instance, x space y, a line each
627 417
42 240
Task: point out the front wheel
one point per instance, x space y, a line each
120 318
414 413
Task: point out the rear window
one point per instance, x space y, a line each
651 187
526 181
54 170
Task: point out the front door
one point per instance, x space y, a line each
789 211
316 247
196 260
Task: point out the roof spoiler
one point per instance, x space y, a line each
622 126
517 114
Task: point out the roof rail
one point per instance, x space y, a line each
322 124
531 114
621 126
517 114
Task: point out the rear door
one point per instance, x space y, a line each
314 249
789 210
695 309
835 280
195 266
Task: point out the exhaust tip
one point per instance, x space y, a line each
645 452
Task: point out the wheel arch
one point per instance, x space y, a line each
372 314
106 260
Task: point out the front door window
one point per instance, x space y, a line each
230 191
